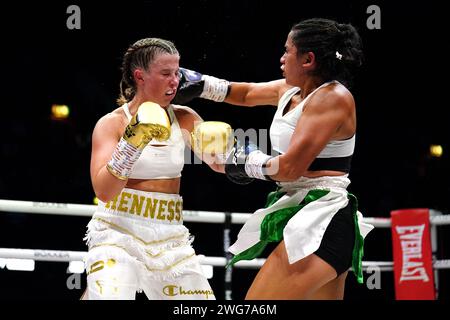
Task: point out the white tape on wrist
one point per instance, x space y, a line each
214 89
122 160
254 165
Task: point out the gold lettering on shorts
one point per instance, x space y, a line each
124 202
178 207
206 293
150 207
137 204
99 285
171 214
173 290
170 290
162 208
112 203
110 263
99 265
111 284
167 210
96 266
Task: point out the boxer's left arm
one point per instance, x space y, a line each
250 94
321 119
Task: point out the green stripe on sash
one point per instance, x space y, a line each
273 223
358 247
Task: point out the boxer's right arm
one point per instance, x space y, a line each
113 156
196 85
106 133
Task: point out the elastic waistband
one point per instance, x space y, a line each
141 205
326 182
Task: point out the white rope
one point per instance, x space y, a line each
67 256
436 218
70 209
188 215
47 208
42 255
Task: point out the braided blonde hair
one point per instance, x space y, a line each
140 55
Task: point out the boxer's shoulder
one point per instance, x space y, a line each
186 116
182 110
115 120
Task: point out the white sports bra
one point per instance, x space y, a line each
160 160
337 153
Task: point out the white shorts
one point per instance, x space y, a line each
138 242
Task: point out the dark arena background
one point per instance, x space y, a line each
401 95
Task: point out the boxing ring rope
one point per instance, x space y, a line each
67 256
226 218
70 209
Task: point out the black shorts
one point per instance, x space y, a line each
337 243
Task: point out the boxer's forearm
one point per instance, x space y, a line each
106 186
149 122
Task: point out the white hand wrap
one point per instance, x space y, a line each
124 157
214 89
254 165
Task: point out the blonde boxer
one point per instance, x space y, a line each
136 237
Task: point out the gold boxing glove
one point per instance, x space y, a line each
213 138
149 122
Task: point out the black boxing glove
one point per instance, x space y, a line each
196 85
246 163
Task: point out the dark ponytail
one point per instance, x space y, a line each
337 48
